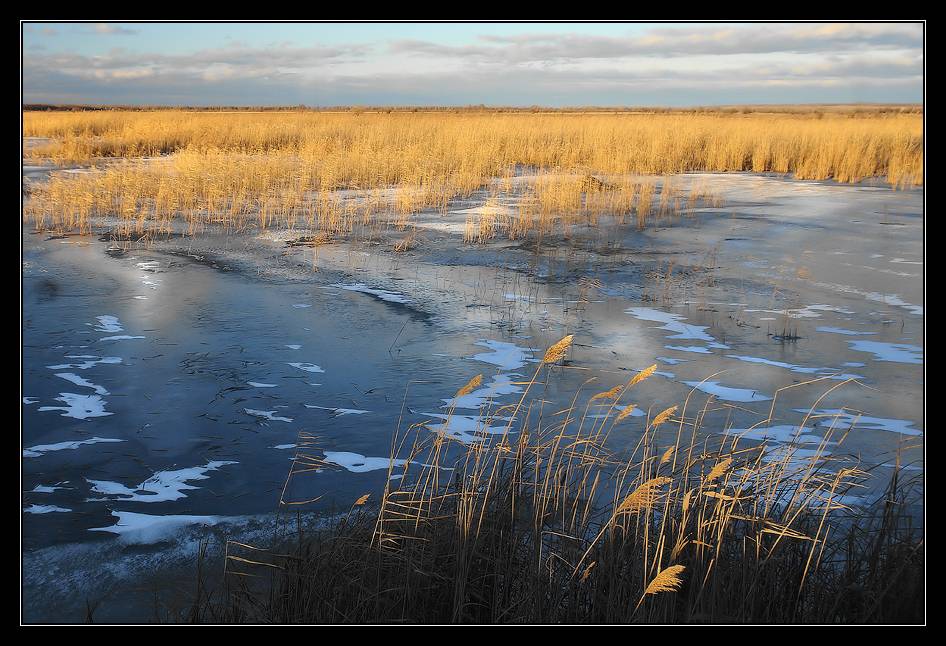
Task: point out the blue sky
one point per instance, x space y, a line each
471 63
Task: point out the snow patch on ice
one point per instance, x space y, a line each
384 295
40 449
727 393
79 406
267 414
163 486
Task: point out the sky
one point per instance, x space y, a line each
455 64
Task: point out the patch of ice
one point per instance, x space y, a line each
672 323
895 352
845 420
308 367
40 449
808 312
777 364
283 446
79 381
468 429
108 323
793 456
257 384
163 486
782 433
698 349
267 414
79 406
499 385
887 299
841 330
635 412
30 400
44 509
357 463
670 361
340 411
300 306
294 347
49 488
507 356
92 361
727 393
120 337
903 467
831 373
146 528
384 295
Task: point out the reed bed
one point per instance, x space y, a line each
539 522
332 171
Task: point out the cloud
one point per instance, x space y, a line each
207 64
112 29
679 41
680 65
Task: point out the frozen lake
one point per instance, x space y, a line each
167 387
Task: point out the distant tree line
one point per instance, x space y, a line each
849 109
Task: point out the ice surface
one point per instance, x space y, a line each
727 393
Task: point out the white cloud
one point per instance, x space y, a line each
668 65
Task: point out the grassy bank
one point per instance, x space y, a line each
540 522
282 168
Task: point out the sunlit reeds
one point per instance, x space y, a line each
544 523
334 171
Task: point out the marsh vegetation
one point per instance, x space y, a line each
691 449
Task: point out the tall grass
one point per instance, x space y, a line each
288 167
542 523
